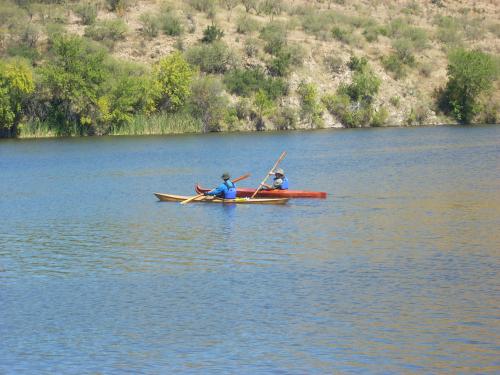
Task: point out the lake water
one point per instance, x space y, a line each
396 272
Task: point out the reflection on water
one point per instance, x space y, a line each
397 271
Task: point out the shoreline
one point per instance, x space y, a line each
245 131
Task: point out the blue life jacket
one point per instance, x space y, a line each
230 193
284 184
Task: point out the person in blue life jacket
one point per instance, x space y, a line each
280 181
226 190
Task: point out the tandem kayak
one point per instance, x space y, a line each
248 192
180 198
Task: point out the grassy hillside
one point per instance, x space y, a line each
254 64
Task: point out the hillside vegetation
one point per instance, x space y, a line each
157 67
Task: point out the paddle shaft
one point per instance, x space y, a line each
282 156
200 195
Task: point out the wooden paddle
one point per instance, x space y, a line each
201 195
282 156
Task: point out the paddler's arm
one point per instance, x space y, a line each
217 190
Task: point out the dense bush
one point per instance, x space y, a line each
125 98
275 36
71 81
357 64
209 102
245 82
353 102
245 24
212 34
470 74
171 23
211 58
311 109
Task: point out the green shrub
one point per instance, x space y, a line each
372 32
401 29
172 78
71 80
209 102
24 51
127 96
245 24
379 118
244 82
212 34
211 58
470 74
311 109
317 23
87 12
364 86
150 24
449 30
275 36
393 64
279 66
357 64
107 31
171 23
16 83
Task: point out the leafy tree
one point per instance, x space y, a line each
16 82
71 81
209 102
127 97
470 74
171 82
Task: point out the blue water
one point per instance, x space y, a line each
396 272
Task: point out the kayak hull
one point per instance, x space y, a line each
248 192
180 198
